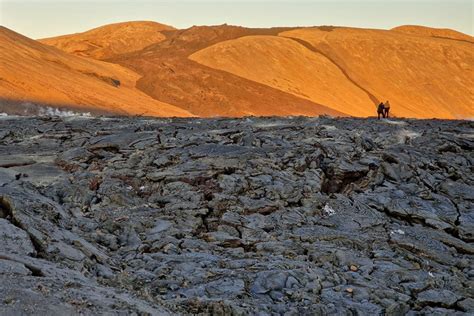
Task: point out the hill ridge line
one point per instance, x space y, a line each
453 39
315 50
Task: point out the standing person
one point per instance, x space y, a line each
381 110
386 109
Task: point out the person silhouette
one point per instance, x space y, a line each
386 108
381 110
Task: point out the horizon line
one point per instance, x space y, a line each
242 26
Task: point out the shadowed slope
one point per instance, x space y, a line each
39 73
110 40
423 77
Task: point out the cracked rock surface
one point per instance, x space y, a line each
268 216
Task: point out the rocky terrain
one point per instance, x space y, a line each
267 216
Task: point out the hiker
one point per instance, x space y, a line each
386 109
381 110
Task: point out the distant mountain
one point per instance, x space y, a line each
110 40
235 71
33 72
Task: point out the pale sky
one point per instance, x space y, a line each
44 18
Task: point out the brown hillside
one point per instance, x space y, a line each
32 71
169 76
110 40
423 77
433 32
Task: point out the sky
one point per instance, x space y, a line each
44 18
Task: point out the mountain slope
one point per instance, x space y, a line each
235 71
168 75
422 77
110 40
31 71
287 65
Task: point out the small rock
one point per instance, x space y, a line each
443 298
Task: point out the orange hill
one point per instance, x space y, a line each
423 77
433 32
110 40
169 76
289 66
236 71
349 70
35 72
